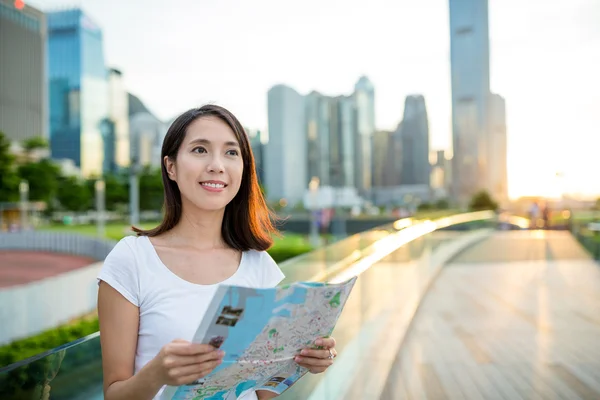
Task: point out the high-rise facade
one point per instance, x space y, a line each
318 135
330 132
364 100
116 139
414 136
23 78
79 105
497 149
285 153
470 80
382 142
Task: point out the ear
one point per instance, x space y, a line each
170 167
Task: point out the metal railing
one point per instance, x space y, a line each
57 242
74 371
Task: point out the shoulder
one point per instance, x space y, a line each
262 264
121 268
126 247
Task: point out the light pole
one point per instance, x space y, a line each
24 198
100 206
339 222
134 183
134 194
313 187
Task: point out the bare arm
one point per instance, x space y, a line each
119 322
178 363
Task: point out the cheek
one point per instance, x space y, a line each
187 170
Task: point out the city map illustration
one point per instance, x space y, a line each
261 331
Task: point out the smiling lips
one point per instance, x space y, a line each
213 186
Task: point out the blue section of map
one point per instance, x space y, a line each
251 312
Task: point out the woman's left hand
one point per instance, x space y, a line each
318 360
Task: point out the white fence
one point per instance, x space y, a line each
28 309
57 242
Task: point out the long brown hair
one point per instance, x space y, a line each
247 222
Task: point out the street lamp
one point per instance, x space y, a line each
313 187
24 198
100 206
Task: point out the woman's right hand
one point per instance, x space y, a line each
181 362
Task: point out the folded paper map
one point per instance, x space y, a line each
261 331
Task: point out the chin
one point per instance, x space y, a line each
211 205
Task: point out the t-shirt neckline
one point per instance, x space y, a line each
176 277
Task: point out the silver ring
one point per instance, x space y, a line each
331 356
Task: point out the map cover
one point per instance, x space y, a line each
261 332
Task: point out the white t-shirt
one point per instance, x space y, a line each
171 307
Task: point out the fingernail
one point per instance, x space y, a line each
221 353
319 342
304 352
298 359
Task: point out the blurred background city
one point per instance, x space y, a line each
451 123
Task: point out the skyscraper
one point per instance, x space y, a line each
330 131
116 143
382 143
23 80
285 153
414 136
364 98
318 134
79 107
497 155
470 79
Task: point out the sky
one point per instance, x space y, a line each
545 58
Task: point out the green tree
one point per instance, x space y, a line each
482 201
424 207
42 177
442 204
73 194
117 191
9 180
34 143
151 189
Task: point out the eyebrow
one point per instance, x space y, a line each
207 142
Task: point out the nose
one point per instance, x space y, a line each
216 164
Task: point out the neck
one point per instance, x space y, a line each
199 228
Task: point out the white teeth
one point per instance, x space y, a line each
213 185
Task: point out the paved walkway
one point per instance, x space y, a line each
515 317
20 267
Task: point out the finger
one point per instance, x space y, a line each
177 360
313 370
327 342
313 362
187 379
315 353
189 349
190 370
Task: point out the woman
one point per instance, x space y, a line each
155 288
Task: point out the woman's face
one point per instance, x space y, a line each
209 165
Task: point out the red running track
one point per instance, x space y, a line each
20 267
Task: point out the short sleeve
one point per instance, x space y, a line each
120 271
271 273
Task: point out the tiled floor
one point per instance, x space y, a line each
515 317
